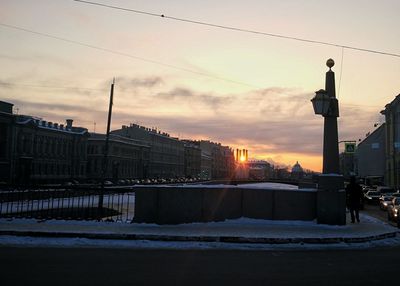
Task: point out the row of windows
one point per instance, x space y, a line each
56 169
29 144
118 151
124 168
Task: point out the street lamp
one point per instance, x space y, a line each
331 198
321 102
326 104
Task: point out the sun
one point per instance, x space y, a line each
242 158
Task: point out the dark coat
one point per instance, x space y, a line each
354 195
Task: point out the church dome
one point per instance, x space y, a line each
297 168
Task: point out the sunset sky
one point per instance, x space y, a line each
243 90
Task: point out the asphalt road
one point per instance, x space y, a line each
79 266
375 211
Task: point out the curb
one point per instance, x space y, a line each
223 239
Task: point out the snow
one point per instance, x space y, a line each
125 203
241 228
17 241
245 228
264 186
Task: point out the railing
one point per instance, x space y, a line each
67 204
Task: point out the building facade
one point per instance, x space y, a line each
370 156
392 150
192 160
7 140
222 159
38 151
127 158
260 170
166 153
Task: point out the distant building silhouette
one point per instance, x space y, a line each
297 171
33 150
127 158
260 170
192 159
166 153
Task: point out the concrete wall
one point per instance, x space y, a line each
172 205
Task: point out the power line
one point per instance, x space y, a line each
239 29
6 84
125 55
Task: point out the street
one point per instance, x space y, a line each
375 211
79 266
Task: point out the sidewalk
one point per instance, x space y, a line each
242 230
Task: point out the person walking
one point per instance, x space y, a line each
354 193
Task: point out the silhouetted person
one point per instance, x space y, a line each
354 193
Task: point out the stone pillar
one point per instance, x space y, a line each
331 200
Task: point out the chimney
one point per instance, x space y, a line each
69 123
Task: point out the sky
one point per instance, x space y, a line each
192 81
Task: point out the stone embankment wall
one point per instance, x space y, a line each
174 205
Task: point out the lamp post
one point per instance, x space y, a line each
331 198
326 104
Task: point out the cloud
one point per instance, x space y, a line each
126 83
180 93
270 122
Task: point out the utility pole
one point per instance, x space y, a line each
105 163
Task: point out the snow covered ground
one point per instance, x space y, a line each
243 227
18 241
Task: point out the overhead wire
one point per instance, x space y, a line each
341 72
237 29
3 83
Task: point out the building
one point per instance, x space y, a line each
7 140
192 159
166 158
297 172
370 155
260 170
38 151
127 158
392 148
222 159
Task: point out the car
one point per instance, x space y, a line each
385 201
393 209
372 197
108 183
385 190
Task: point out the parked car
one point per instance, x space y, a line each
385 190
385 201
108 183
393 209
372 197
